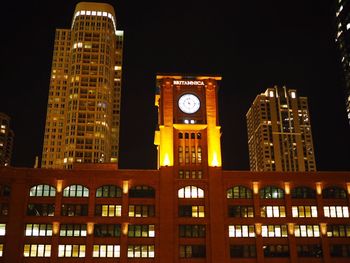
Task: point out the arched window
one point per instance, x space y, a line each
75 190
303 192
142 191
190 191
239 191
109 191
271 192
42 190
5 190
334 192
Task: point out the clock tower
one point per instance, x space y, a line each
189 133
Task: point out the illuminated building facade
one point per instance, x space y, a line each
343 41
279 132
82 122
188 210
6 140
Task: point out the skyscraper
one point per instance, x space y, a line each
279 132
82 123
343 42
6 140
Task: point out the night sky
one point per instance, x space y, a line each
252 44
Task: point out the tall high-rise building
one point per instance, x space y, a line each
343 40
279 132
6 140
82 123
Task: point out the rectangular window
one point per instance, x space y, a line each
307 230
273 211
141 231
338 230
336 211
108 210
106 251
40 209
191 211
106 230
2 229
74 210
191 230
340 250
241 231
141 211
1 249
240 211
68 251
276 251
140 251
35 230
199 154
193 154
242 251
310 251
192 251
37 250
180 154
274 231
187 155
304 211
73 230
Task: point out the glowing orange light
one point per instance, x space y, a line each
90 228
125 187
59 186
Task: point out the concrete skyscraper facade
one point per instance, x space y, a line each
279 132
6 140
342 39
82 122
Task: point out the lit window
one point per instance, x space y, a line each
110 191
1 249
274 231
271 94
304 211
191 211
336 211
190 192
273 211
293 95
307 231
338 230
347 26
141 251
42 190
37 250
35 230
2 229
73 230
141 210
241 231
141 231
106 251
76 191
74 251
108 210
239 192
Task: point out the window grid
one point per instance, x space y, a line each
241 211
140 251
304 211
141 231
73 230
190 191
75 251
307 230
191 231
242 251
338 230
271 192
106 251
42 190
274 231
37 250
109 191
273 211
141 210
75 191
191 211
107 230
108 210
241 231
192 251
35 230
336 211
239 192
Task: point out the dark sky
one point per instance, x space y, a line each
253 44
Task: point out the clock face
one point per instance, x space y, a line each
189 103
